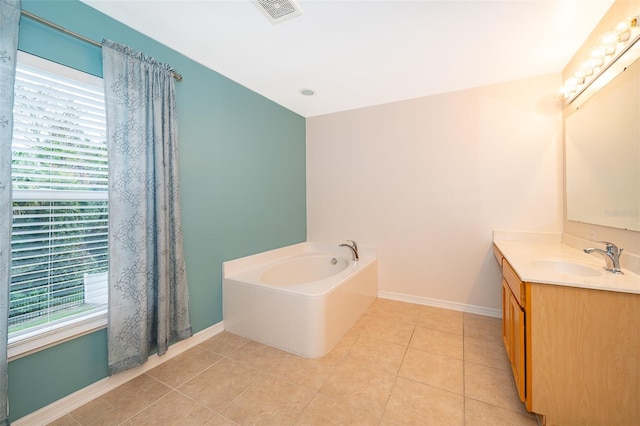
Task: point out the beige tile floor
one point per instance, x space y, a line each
401 364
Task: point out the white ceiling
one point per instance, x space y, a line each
359 53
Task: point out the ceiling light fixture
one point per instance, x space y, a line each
612 45
307 92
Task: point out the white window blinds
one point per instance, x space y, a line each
59 172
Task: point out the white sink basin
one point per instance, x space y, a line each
566 267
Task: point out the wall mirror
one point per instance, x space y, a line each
602 148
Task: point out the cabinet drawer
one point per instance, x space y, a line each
512 279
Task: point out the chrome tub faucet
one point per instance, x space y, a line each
611 255
354 248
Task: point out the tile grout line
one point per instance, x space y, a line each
151 403
395 380
270 374
262 373
315 393
175 389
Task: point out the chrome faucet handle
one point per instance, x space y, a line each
611 248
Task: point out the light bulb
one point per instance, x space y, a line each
623 25
587 67
567 91
624 36
579 77
609 39
597 53
608 42
571 83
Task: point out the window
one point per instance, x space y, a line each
60 214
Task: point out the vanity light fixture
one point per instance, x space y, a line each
612 45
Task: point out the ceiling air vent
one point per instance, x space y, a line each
278 11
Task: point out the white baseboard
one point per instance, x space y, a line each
64 406
438 303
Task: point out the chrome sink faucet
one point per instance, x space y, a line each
354 248
611 255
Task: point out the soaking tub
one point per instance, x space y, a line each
300 298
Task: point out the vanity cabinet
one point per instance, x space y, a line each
513 336
513 323
574 351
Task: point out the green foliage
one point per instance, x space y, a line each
54 244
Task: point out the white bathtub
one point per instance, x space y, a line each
296 298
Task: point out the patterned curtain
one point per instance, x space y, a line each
148 295
9 21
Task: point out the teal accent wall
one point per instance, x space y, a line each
242 171
45 376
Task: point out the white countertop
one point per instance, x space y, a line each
521 255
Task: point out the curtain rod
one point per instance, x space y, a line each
177 76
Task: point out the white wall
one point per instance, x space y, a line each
427 181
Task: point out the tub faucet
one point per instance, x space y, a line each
354 248
611 255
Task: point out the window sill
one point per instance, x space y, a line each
27 344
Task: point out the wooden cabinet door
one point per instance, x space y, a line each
507 323
517 346
513 336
